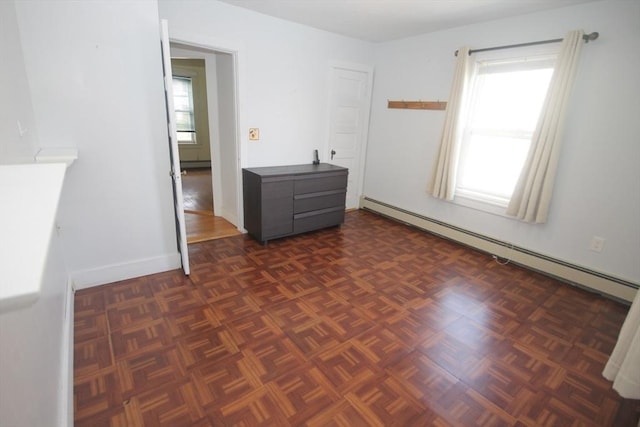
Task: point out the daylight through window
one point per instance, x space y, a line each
183 104
505 99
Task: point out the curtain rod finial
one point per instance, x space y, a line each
590 37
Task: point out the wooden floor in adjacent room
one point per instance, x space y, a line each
371 324
197 196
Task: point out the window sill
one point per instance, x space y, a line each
483 206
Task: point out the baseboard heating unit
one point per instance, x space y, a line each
605 284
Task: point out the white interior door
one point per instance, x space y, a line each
349 103
173 148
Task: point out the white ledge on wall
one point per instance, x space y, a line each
29 195
56 155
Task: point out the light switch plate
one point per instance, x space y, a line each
254 134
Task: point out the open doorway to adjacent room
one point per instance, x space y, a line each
201 223
201 80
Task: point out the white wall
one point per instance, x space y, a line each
598 183
15 104
116 213
33 391
283 75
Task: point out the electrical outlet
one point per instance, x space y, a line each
254 134
597 243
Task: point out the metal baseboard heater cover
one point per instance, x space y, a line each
594 281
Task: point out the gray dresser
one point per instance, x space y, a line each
282 201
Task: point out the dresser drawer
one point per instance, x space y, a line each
315 183
316 201
318 219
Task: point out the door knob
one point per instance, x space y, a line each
333 152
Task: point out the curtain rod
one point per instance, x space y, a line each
587 38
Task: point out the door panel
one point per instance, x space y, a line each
349 103
173 148
344 141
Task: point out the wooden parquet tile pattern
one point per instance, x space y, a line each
371 324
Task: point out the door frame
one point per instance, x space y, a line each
212 119
238 53
369 70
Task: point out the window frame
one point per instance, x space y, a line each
193 140
483 201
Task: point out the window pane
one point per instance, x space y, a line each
510 100
186 137
181 86
184 121
183 105
492 164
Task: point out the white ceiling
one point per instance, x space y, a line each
384 20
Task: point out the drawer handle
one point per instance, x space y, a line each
318 212
319 194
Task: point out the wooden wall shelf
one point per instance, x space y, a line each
418 105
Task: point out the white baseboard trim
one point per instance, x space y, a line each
66 370
115 272
233 219
593 280
195 164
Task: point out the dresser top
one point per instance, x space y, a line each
296 169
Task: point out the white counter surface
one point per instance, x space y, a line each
29 195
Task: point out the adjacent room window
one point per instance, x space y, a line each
183 104
503 105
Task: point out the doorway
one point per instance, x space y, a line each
200 221
349 104
208 158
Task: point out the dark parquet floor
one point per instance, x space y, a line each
370 324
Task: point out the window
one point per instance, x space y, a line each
504 102
183 104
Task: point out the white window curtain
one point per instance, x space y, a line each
443 180
623 367
532 194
